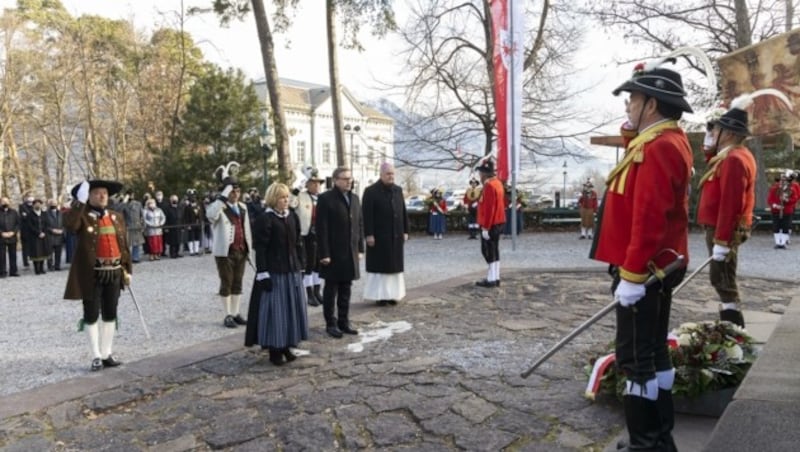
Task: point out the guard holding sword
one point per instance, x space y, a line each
643 215
101 266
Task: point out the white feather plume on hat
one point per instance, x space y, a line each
743 101
688 51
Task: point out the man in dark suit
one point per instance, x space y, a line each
9 230
340 243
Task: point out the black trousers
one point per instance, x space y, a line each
310 249
781 224
336 294
642 331
105 297
54 261
10 250
491 248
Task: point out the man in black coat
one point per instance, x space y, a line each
25 211
9 231
340 242
54 222
174 215
386 230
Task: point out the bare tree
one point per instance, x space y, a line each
333 76
450 93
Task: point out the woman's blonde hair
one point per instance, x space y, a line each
275 192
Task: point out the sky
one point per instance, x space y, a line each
301 55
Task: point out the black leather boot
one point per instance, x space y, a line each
644 424
666 410
733 316
288 355
312 299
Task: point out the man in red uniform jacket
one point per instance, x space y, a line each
782 197
725 208
491 218
643 219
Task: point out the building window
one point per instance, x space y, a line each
301 151
326 153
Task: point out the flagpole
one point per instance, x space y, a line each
512 135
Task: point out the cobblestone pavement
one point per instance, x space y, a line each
447 379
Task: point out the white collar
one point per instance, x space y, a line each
283 214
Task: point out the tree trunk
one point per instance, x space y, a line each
336 91
273 88
46 179
789 14
744 34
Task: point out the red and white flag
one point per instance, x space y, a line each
508 31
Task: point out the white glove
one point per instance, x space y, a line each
485 234
261 276
126 198
83 192
628 293
226 191
719 252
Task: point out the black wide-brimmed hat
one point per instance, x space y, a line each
486 166
736 119
113 187
665 85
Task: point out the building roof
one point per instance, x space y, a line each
307 97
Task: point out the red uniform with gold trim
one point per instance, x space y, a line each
646 206
727 195
491 205
774 198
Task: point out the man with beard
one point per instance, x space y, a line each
101 266
386 231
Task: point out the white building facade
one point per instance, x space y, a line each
368 134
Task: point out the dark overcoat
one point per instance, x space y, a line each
55 226
386 219
82 221
340 235
33 226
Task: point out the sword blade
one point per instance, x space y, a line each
139 311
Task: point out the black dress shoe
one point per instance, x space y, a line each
392 302
347 330
239 320
381 303
111 361
312 301
97 364
229 321
275 356
333 332
487 283
15 275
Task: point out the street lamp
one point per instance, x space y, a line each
352 130
564 192
263 141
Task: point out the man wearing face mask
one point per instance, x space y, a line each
35 243
727 198
645 213
174 214
9 229
101 266
55 234
25 210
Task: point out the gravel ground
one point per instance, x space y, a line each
39 343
